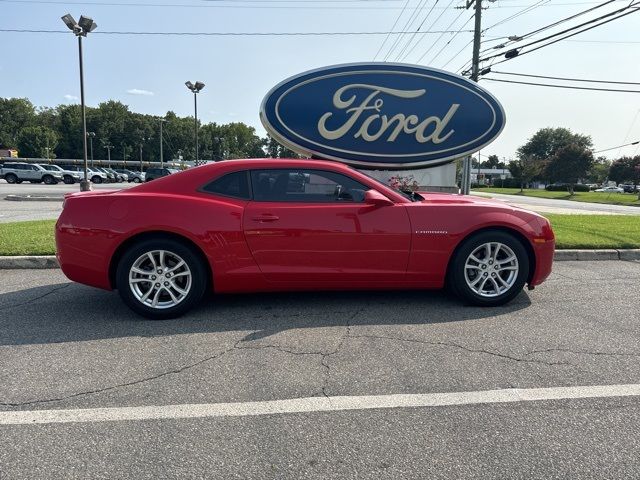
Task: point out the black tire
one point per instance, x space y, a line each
49 180
68 179
96 179
193 260
19 181
137 180
11 178
456 276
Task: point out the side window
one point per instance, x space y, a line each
234 185
306 186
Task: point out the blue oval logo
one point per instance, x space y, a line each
382 115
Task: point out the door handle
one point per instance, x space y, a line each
266 218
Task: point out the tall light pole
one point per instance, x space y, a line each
81 29
162 120
91 135
124 155
142 140
108 147
195 88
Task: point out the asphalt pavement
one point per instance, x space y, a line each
122 388
12 211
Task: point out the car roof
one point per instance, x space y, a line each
199 176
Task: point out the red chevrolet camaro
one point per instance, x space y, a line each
273 225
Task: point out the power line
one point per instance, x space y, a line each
229 34
565 78
615 12
392 29
457 54
618 146
571 87
451 39
428 28
563 38
407 24
538 4
437 39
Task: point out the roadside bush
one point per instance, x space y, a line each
479 185
563 187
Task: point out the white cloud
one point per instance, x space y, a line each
138 91
71 98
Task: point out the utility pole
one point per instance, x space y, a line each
475 73
91 135
124 155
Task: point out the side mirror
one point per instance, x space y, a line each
374 197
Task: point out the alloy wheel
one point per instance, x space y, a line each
491 269
160 279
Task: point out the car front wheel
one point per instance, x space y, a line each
161 278
68 180
11 178
96 179
489 269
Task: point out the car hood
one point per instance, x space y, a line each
471 200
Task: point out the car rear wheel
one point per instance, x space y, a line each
161 278
137 180
68 179
96 179
489 269
49 180
11 178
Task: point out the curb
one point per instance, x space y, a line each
29 262
31 198
50 261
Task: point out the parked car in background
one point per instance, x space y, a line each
610 190
132 176
260 225
95 176
630 188
153 173
120 177
18 172
68 176
111 177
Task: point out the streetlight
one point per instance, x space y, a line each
162 120
108 147
91 135
81 29
195 88
142 140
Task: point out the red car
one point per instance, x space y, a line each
273 225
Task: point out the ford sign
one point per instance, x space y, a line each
382 115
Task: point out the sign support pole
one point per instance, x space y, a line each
475 73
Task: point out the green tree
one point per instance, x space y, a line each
599 171
37 142
524 169
570 164
626 169
15 114
546 142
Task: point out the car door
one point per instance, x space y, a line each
307 226
31 172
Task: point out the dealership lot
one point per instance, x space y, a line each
70 347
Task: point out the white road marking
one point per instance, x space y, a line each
314 404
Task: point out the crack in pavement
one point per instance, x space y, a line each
583 352
31 300
120 385
462 347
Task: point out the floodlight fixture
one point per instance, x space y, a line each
189 85
199 86
87 24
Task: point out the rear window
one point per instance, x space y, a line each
234 185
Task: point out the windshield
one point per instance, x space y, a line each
408 194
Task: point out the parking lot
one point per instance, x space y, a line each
66 347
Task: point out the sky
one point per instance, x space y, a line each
148 72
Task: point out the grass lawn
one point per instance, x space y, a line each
27 238
572 231
589 197
596 231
